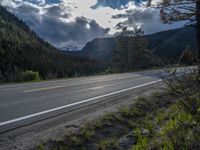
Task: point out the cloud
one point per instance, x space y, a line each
147 19
77 32
75 22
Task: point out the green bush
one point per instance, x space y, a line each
29 76
110 70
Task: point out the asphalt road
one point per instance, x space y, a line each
22 104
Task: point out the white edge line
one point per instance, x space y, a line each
77 103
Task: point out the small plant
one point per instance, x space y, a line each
160 117
137 112
110 70
168 146
132 124
142 141
98 123
87 134
87 131
107 118
125 111
75 140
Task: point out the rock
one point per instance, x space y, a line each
145 132
127 141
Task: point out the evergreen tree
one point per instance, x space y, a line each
132 53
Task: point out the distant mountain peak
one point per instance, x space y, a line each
70 48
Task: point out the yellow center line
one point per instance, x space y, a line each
44 89
60 86
98 87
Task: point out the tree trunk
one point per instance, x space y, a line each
198 32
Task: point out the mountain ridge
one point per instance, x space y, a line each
163 44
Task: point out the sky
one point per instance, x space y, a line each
73 23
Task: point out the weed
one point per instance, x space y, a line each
142 141
125 111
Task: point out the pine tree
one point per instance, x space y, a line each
132 53
177 10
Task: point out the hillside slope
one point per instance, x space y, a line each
166 45
21 49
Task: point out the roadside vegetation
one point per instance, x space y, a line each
167 120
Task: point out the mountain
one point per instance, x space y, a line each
21 50
70 48
166 45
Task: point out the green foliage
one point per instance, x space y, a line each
178 131
142 141
186 90
125 111
29 76
110 70
181 130
87 134
167 146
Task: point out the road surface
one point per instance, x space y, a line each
23 104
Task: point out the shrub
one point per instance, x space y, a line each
182 130
29 76
110 70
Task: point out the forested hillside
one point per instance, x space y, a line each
166 45
21 50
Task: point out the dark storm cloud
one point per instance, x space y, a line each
28 13
147 19
137 16
77 32
56 11
43 1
